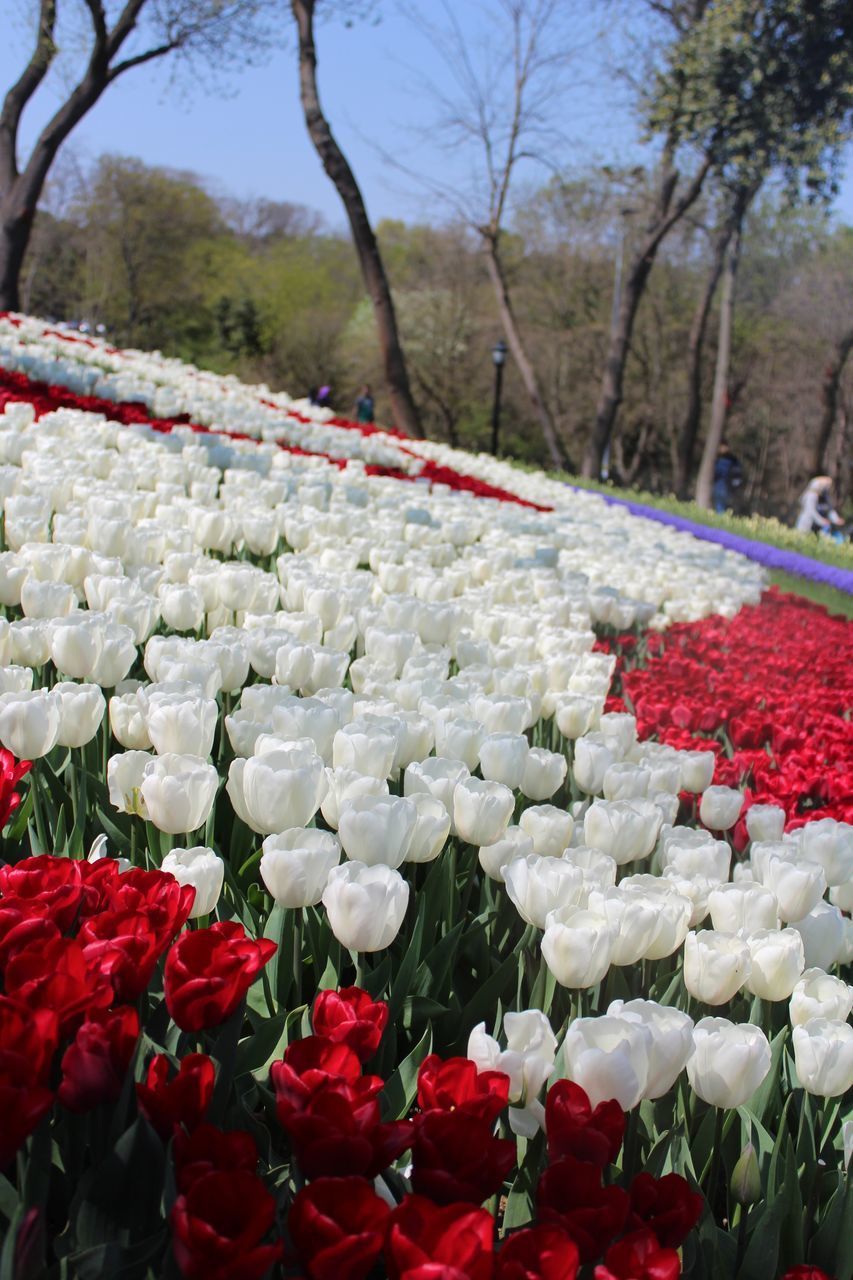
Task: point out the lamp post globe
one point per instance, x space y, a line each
499 353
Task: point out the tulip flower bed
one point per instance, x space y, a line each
353 921
770 692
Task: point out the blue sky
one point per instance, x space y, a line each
247 138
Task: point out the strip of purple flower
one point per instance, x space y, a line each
771 557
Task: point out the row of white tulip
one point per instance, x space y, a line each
638 1049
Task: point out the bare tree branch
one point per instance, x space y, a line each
23 89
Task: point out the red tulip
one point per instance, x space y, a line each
639 1257
218 1226
423 1239
571 1196
666 1206
28 1039
156 895
55 976
181 1100
338 1227
124 948
11 772
457 1085
23 922
350 1016
95 1063
312 1062
575 1129
209 971
55 882
99 882
538 1253
211 1150
132 919
455 1156
339 1131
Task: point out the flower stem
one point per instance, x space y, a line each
716 1153
38 815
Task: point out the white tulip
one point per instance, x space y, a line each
831 844
577 946
822 931
432 827
765 822
377 829
201 868
81 710
819 995
697 770
124 781
823 1057
777 960
720 807
502 758
730 1061
295 865
544 774
742 906
798 886
365 905
591 761
180 723
279 789
493 858
609 1057
671 1041
549 828
481 810
536 886
29 723
632 916
179 791
347 784
624 829
716 965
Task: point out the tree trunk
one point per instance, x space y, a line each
372 268
610 396
14 237
829 397
689 432
719 405
519 355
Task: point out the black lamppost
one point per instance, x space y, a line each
499 360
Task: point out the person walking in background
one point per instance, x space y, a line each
817 514
728 477
364 405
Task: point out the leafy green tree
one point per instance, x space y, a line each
115 38
149 249
752 87
761 86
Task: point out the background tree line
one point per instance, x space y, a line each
268 291
641 308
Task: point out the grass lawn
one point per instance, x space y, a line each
835 601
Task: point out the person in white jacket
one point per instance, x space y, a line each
816 513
